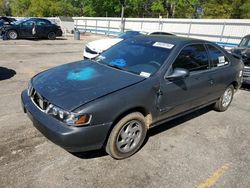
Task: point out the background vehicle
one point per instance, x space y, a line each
94 48
243 51
32 28
139 83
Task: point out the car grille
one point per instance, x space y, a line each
87 49
247 62
246 71
37 99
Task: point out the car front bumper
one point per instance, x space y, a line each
246 75
72 139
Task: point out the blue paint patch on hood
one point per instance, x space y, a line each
82 75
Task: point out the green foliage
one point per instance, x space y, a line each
2 7
245 10
20 7
221 10
134 8
157 6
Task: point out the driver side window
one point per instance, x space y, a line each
193 58
28 23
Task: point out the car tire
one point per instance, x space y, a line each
127 136
52 36
12 35
225 100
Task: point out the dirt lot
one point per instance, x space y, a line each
203 149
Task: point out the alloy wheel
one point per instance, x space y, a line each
129 136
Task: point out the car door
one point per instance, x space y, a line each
180 95
42 28
26 28
220 73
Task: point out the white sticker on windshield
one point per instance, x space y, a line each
163 45
145 74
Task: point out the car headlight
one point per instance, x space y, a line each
29 90
70 118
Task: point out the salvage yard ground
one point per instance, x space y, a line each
203 149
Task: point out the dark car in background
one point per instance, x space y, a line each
32 28
243 51
110 102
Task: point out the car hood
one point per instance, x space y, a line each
71 85
7 26
244 53
102 44
241 51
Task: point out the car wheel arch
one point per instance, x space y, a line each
235 85
142 110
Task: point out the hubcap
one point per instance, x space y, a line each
52 35
13 35
227 97
129 136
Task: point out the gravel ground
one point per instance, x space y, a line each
205 148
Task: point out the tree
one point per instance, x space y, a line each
134 8
245 8
157 7
20 7
223 9
2 7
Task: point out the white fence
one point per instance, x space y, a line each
216 30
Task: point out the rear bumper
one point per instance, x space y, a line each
73 139
59 33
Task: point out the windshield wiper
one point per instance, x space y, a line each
116 66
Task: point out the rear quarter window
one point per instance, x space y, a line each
217 57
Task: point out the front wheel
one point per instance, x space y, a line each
225 100
12 34
51 36
127 136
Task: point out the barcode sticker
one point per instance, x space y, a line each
163 45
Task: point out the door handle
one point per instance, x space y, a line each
159 92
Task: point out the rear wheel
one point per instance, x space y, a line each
225 100
12 34
52 36
127 136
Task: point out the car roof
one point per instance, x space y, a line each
176 40
246 36
38 19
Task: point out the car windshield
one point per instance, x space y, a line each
129 34
19 21
143 57
245 42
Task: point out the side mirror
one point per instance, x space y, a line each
178 73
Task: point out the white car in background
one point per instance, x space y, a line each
94 48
